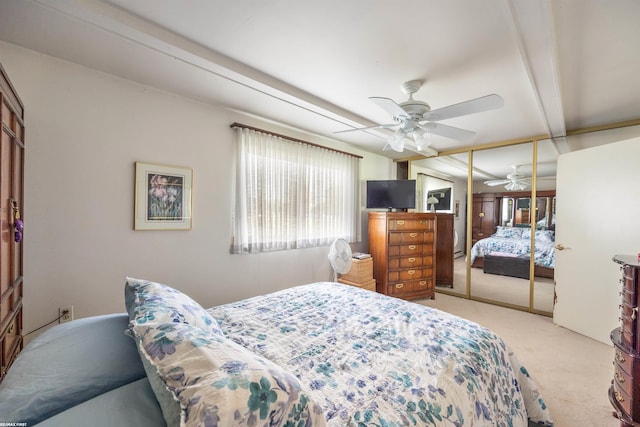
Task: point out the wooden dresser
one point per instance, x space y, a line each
403 247
624 392
11 197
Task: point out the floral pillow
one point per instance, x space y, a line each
541 235
545 235
220 383
509 232
154 302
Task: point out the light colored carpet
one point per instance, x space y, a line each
506 289
572 371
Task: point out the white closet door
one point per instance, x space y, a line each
598 216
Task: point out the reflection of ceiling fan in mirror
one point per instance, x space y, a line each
515 181
414 121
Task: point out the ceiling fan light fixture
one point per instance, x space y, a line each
396 141
422 140
515 186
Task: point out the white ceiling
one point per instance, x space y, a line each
559 65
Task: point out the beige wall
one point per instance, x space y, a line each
85 130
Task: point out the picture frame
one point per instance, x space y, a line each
162 197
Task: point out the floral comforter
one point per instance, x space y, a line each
544 255
372 360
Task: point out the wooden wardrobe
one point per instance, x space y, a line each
11 199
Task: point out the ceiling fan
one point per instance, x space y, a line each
414 120
514 181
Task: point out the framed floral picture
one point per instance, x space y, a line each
162 197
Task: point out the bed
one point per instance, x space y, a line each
322 354
516 242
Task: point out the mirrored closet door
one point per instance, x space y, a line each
504 224
501 240
441 184
543 294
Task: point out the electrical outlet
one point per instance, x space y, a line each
66 314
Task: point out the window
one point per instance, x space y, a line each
291 194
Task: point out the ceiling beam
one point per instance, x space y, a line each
534 31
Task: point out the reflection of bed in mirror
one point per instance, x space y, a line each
514 243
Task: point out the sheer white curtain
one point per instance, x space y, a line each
292 195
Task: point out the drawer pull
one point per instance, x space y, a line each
400 222
413 234
619 377
399 285
411 272
619 397
634 313
414 260
480 234
620 357
422 283
412 247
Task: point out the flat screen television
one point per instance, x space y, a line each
391 194
444 198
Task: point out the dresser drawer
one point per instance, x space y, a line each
406 250
623 378
628 331
410 237
630 311
629 284
628 297
410 262
409 274
410 224
11 340
623 360
629 273
622 398
410 287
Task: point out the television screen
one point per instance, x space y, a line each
444 198
391 194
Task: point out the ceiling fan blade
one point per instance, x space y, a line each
495 182
390 106
385 126
477 105
448 131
